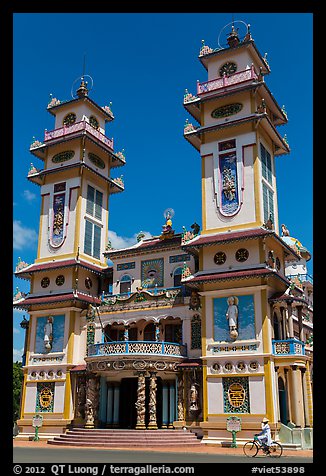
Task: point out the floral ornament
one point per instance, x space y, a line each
310 340
185 271
188 96
108 109
109 246
121 155
35 143
53 101
119 181
18 295
20 265
204 50
32 170
186 236
140 236
284 111
188 127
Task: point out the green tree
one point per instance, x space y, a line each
17 388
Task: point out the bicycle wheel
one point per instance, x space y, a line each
250 449
275 450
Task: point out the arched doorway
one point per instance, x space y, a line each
282 401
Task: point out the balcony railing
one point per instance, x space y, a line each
77 127
288 347
144 347
225 81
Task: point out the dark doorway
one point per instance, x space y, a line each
128 398
149 332
282 401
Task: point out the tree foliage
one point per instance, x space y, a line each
17 388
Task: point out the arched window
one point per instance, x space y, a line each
125 284
276 327
177 277
149 332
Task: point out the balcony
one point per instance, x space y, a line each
81 126
288 347
144 298
227 81
133 348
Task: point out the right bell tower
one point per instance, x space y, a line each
237 137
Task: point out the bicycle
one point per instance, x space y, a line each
251 448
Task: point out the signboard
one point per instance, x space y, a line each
37 421
233 423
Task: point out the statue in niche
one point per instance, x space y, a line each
232 316
48 333
194 397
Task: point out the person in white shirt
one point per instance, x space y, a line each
264 437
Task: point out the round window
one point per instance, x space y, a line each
220 257
45 282
242 255
69 119
60 280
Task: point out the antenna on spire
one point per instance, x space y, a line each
84 65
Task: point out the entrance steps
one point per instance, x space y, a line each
126 438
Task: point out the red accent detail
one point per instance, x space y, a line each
60 264
62 297
234 274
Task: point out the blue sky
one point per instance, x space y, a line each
143 62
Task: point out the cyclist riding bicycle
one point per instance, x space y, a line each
264 437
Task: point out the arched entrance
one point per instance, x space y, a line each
282 401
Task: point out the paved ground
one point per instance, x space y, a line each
41 452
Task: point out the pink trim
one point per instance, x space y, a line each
77 127
225 81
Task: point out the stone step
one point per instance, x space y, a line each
151 435
130 440
115 444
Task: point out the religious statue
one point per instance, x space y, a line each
232 316
195 228
48 333
167 231
285 231
194 397
270 259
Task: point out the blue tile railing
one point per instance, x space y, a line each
143 347
288 347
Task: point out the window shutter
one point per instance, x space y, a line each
269 167
88 237
98 205
90 200
97 242
263 161
271 204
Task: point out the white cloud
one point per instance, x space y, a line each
17 354
119 242
23 237
29 196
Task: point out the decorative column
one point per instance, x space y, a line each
180 404
140 403
109 409
152 425
165 405
157 331
284 326
116 397
92 400
290 320
126 332
172 405
297 397
288 394
103 401
308 386
299 310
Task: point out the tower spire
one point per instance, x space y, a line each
82 91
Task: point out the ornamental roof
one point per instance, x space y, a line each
255 233
53 299
34 268
201 278
143 246
279 297
105 114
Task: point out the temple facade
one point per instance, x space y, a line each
183 329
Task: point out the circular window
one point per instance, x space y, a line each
88 283
69 119
242 255
220 257
216 367
59 373
50 373
254 365
60 280
228 68
241 366
45 282
94 122
42 374
33 374
228 367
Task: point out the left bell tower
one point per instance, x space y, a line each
70 270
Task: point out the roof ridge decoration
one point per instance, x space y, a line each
21 265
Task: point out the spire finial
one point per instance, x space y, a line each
82 90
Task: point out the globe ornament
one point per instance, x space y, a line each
84 88
239 29
234 334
